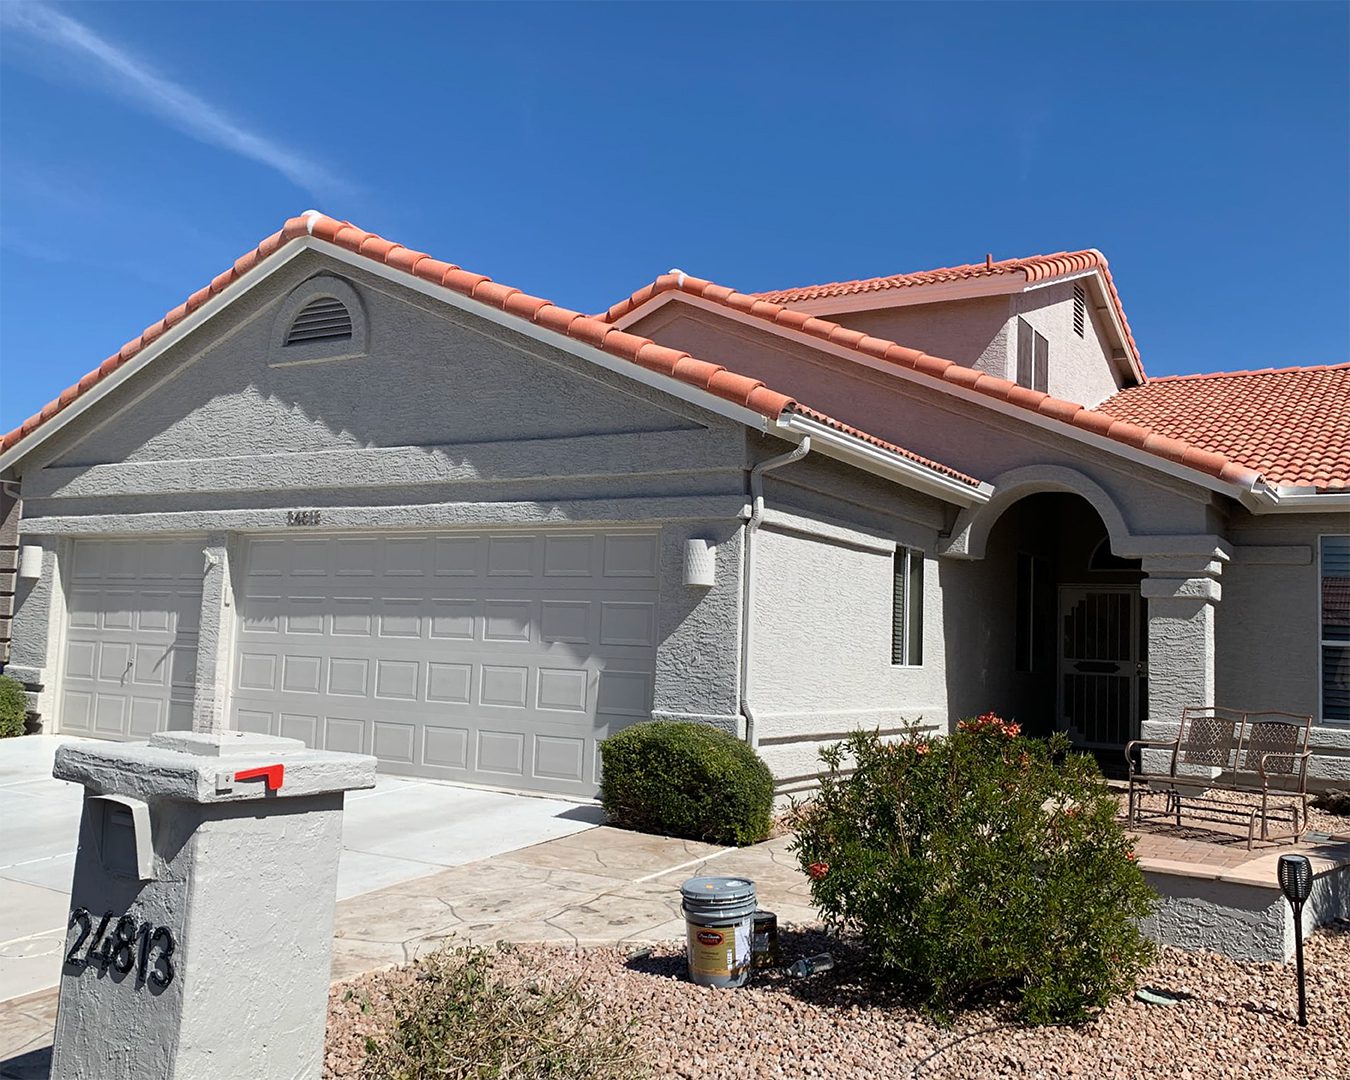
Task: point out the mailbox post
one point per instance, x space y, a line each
201 912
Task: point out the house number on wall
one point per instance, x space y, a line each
127 945
302 517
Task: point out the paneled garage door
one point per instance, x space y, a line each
130 657
500 659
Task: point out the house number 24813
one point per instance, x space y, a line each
122 946
302 517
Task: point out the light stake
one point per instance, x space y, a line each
1295 876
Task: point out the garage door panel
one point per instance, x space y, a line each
497 657
131 636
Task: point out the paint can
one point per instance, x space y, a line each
719 918
764 940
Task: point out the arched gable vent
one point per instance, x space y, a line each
325 318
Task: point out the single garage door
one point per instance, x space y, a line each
130 649
500 659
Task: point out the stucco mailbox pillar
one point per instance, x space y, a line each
202 907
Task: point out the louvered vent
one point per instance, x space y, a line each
324 319
1079 310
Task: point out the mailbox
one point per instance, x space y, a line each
201 912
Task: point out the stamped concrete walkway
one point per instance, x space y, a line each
603 886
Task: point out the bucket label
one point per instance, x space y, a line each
719 951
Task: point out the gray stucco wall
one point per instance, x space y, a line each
823 609
445 421
1080 369
1267 626
971 332
925 418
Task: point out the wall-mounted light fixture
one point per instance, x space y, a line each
30 562
700 563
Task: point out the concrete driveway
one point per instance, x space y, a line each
399 830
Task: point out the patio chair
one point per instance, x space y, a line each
1217 749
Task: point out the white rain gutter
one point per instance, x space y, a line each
894 467
748 573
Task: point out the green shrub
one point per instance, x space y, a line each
980 866
13 707
686 779
458 1019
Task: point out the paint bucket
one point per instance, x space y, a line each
719 916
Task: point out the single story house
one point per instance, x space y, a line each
353 494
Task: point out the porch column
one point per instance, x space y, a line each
214 637
1182 592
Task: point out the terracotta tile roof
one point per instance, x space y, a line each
1033 269
1054 409
1290 424
713 378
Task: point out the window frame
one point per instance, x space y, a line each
907 646
1322 642
1037 348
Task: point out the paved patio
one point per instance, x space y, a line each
399 830
603 886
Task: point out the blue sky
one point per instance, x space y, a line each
577 151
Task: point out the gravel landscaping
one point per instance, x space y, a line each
1235 1020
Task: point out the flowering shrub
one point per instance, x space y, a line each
978 866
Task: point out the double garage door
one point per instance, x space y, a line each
501 659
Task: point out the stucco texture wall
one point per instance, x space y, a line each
1267 627
1080 369
971 332
446 421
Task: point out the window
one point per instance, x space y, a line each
1035 613
1335 628
907 608
1079 310
1033 358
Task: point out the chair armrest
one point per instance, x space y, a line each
1302 755
1156 744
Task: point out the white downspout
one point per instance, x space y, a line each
748 573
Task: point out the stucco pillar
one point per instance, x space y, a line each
214 637
1182 594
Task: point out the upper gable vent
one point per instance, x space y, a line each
323 319
1079 310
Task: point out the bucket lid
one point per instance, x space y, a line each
723 890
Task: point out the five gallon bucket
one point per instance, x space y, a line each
719 914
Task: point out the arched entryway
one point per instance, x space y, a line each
1062 631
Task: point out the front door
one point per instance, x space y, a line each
1099 665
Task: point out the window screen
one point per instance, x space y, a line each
1335 628
907 608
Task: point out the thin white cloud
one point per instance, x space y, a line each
173 102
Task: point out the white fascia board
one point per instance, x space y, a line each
885 463
1243 493
165 341
514 323
1297 500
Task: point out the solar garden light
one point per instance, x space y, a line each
1295 875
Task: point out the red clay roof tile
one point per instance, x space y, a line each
1290 424
1068 412
713 378
1033 268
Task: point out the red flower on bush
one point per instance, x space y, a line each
1130 855
818 870
991 723
922 748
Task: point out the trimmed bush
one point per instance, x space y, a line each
983 866
459 1019
13 707
686 779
